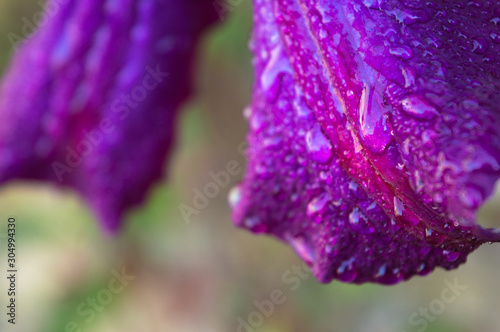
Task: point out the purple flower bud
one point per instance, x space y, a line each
90 99
375 133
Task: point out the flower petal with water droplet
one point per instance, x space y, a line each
406 102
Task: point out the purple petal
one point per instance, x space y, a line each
374 133
90 99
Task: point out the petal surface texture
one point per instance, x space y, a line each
90 99
374 133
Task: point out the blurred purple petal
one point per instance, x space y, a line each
374 133
91 98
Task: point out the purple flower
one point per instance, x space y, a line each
91 98
374 133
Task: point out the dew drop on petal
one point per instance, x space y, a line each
418 108
354 217
409 77
398 207
346 271
318 146
419 184
451 256
359 223
495 37
257 122
381 271
374 129
318 204
480 45
403 52
397 276
277 66
303 247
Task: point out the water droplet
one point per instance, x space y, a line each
278 65
375 131
353 186
433 237
398 207
346 271
403 52
327 177
372 4
318 146
301 108
474 3
397 276
354 217
273 142
417 107
318 204
451 256
495 37
408 17
409 76
257 121
381 271
480 45
419 184
406 145
328 249
470 105
303 247
432 40
359 223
